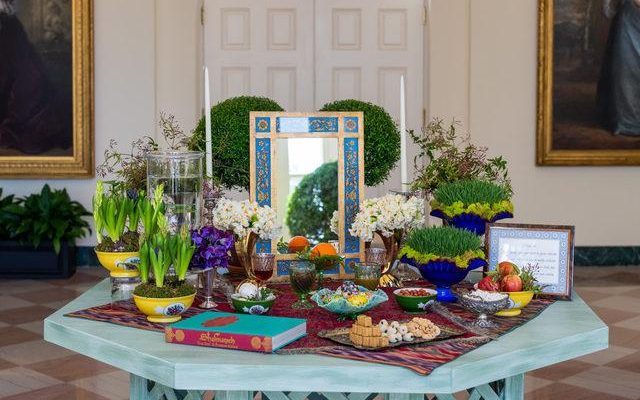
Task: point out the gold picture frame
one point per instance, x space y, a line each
348 128
546 154
80 164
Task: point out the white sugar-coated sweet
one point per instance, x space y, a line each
394 338
394 324
485 295
402 329
391 331
383 322
407 337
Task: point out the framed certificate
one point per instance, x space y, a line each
549 247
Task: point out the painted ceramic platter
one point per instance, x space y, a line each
341 335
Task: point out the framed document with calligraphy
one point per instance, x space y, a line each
549 248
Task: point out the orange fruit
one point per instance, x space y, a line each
323 249
298 244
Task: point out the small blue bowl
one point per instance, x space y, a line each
444 274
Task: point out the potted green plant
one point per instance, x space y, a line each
444 156
443 255
471 204
38 233
162 295
117 215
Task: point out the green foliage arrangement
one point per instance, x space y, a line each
50 215
230 138
445 242
5 216
312 204
482 198
381 139
158 252
116 220
127 170
445 156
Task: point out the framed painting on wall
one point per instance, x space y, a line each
46 88
588 82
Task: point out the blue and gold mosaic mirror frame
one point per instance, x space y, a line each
348 128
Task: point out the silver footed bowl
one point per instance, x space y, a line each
482 308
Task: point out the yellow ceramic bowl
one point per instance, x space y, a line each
517 301
163 310
116 263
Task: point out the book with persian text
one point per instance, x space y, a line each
237 331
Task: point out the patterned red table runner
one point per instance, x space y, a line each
420 358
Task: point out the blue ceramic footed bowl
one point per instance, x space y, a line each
469 221
444 274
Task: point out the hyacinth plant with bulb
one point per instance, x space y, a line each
248 222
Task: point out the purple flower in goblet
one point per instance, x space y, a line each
212 248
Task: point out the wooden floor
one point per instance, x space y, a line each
32 369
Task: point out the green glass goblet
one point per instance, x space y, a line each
302 275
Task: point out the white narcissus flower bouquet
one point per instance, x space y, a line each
387 216
249 222
390 217
246 217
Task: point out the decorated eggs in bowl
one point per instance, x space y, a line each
250 298
349 300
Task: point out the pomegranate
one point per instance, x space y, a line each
487 283
511 283
507 268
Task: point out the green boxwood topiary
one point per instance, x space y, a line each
230 138
312 204
381 139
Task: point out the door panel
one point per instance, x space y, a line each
261 48
362 48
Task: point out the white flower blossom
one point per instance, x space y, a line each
245 217
386 215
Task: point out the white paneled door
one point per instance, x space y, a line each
305 53
262 48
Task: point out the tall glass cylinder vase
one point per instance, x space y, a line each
180 173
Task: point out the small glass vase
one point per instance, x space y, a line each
180 173
122 288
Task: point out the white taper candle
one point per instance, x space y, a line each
403 140
207 124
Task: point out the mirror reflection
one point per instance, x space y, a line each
307 196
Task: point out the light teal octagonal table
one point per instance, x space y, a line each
496 370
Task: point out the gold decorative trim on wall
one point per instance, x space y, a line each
80 164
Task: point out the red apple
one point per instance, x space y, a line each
511 283
487 283
507 268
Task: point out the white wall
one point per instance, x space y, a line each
494 93
483 72
127 99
